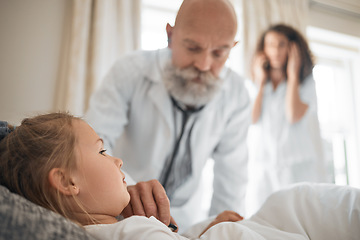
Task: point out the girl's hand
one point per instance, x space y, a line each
294 62
259 71
226 216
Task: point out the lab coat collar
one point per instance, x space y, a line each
157 67
157 93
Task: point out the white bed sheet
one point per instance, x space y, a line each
303 211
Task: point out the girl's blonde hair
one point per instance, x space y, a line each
28 154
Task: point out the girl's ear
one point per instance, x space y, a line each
59 180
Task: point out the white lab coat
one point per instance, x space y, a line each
282 153
132 112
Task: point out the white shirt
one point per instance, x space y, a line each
135 227
133 113
143 228
282 153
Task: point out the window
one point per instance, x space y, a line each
155 15
337 60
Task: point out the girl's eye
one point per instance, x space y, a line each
102 152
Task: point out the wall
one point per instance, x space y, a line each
30 47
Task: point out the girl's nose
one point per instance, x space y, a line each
118 162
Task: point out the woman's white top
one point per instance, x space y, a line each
280 152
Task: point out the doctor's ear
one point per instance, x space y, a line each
59 180
169 31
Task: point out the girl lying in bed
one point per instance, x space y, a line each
57 161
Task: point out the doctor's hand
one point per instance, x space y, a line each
226 216
149 199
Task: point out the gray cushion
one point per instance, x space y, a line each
22 219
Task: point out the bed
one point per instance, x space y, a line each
302 211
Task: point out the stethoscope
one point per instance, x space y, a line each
185 117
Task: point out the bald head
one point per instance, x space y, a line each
203 35
214 16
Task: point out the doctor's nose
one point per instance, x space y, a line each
203 62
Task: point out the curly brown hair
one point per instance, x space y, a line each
307 62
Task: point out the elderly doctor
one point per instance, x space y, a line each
166 112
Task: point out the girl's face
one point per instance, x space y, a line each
102 186
276 47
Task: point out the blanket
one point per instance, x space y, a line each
302 211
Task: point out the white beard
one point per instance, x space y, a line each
180 84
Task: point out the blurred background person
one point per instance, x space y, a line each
285 143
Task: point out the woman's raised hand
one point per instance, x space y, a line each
259 70
294 62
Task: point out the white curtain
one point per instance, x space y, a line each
255 16
99 32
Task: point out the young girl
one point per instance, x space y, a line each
286 141
58 162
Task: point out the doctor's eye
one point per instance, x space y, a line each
219 53
194 49
102 152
